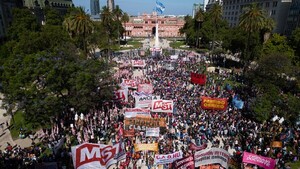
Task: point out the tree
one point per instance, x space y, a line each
118 13
79 24
278 44
125 19
215 13
295 43
52 17
268 27
188 30
199 17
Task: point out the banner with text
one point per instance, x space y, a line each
121 95
185 163
168 158
138 63
129 133
152 132
198 78
165 106
213 103
144 147
129 83
88 155
146 122
264 162
144 100
146 88
212 156
137 112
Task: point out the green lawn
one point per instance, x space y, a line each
177 44
295 165
19 122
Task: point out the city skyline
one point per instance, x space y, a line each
138 7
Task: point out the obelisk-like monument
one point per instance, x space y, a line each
156 44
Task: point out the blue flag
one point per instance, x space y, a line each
160 7
237 103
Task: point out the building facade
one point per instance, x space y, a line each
293 18
276 9
6 7
210 3
144 26
196 8
111 5
95 7
60 5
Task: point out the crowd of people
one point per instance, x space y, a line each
228 129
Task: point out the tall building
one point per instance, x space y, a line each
293 18
210 3
95 7
60 5
6 7
276 9
111 5
196 8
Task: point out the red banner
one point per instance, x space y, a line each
198 78
192 146
129 83
185 163
129 133
213 103
138 63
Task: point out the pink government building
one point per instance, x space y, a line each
144 25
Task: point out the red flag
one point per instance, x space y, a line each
198 78
186 162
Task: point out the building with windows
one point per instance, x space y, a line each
196 8
276 9
144 25
60 5
293 18
111 5
95 7
6 7
210 3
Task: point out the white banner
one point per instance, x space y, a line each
137 112
122 95
146 88
174 57
168 158
129 83
152 132
212 156
144 100
165 106
138 63
97 156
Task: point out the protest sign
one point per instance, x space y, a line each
146 88
264 162
213 103
129 83
168 158
138 63
143 147
165 106
152 132
212 156
198 78
137 112
145 122
144 100
185 163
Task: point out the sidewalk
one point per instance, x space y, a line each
5 136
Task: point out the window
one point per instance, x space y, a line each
273 12
275 4
267 4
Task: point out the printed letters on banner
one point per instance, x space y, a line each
264 162
165 106
212 156
185 163
213 103
145 122
129 83
122 95
129 133
146 88
138 63
192 146
145 101
198 78
143 147
168 158
152 132
137 112
88 155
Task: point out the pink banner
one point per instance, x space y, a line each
146 88
265 162
129 83
138 63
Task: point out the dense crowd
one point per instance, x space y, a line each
228 129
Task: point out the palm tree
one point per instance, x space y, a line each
118 13
268 27
107 23
199 17
79 24
125 19
215 13
251 21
